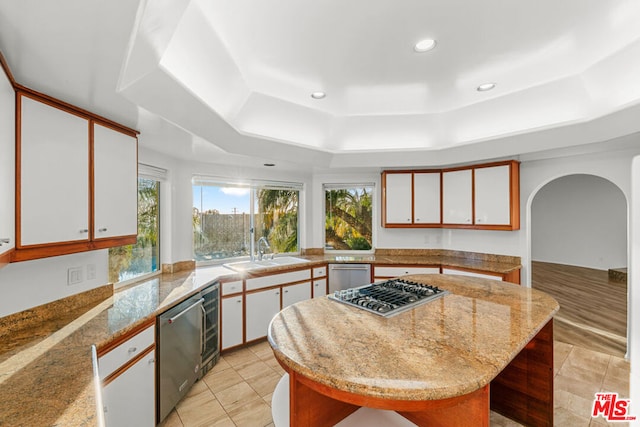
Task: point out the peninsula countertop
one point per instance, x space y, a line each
448 347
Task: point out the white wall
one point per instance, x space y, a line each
29 284
580 220
633 322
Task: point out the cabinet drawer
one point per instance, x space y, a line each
472 274
401 271
278 279
319 272
126 351
234 287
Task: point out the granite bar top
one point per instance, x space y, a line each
448 347
45 361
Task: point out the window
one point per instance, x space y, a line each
348 217
230 218
132 261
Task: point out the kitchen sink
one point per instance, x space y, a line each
265 263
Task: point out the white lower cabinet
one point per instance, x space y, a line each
294 293
261 307
128 377
129 399
232 321
383 273
319 288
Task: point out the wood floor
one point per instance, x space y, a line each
593 309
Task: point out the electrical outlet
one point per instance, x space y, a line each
74 275
91 271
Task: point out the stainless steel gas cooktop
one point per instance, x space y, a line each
390 297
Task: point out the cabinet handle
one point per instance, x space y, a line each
277 293
84 230
102 230
239 301
5 240
133 350
286 291
152 361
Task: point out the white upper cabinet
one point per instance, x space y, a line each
54 175
493 195
426 198
7 166
398 198
115 183
412 199
77 183
456 197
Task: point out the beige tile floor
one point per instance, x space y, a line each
238 390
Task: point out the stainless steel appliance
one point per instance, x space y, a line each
345 276
187 346
390 297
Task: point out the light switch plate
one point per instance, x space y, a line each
74 275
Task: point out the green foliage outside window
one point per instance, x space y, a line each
130 261
348 219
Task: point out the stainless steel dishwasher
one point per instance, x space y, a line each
344 276
179 356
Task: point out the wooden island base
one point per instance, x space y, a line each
523 391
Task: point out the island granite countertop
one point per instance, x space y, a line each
445 348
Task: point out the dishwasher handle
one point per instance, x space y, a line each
174 318
364 267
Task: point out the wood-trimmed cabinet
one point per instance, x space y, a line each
7 167
247 306
411 199
76 180
482 196
485 196
128 373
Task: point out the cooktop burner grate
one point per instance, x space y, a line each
389 297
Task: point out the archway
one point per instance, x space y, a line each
578 232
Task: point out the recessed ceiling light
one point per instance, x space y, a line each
269 164
485 87
424 45
318 95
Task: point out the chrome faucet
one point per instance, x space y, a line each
261 241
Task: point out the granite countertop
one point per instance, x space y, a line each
46 371
45 367
448 347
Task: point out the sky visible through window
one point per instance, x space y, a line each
224 199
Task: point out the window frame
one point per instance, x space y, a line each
254 186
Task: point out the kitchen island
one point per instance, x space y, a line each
485 345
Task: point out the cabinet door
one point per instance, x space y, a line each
232 322
54 175
115 183
319 288
129 400
261 307
456 197
294 293
398 198
7 165
493 195
426 198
